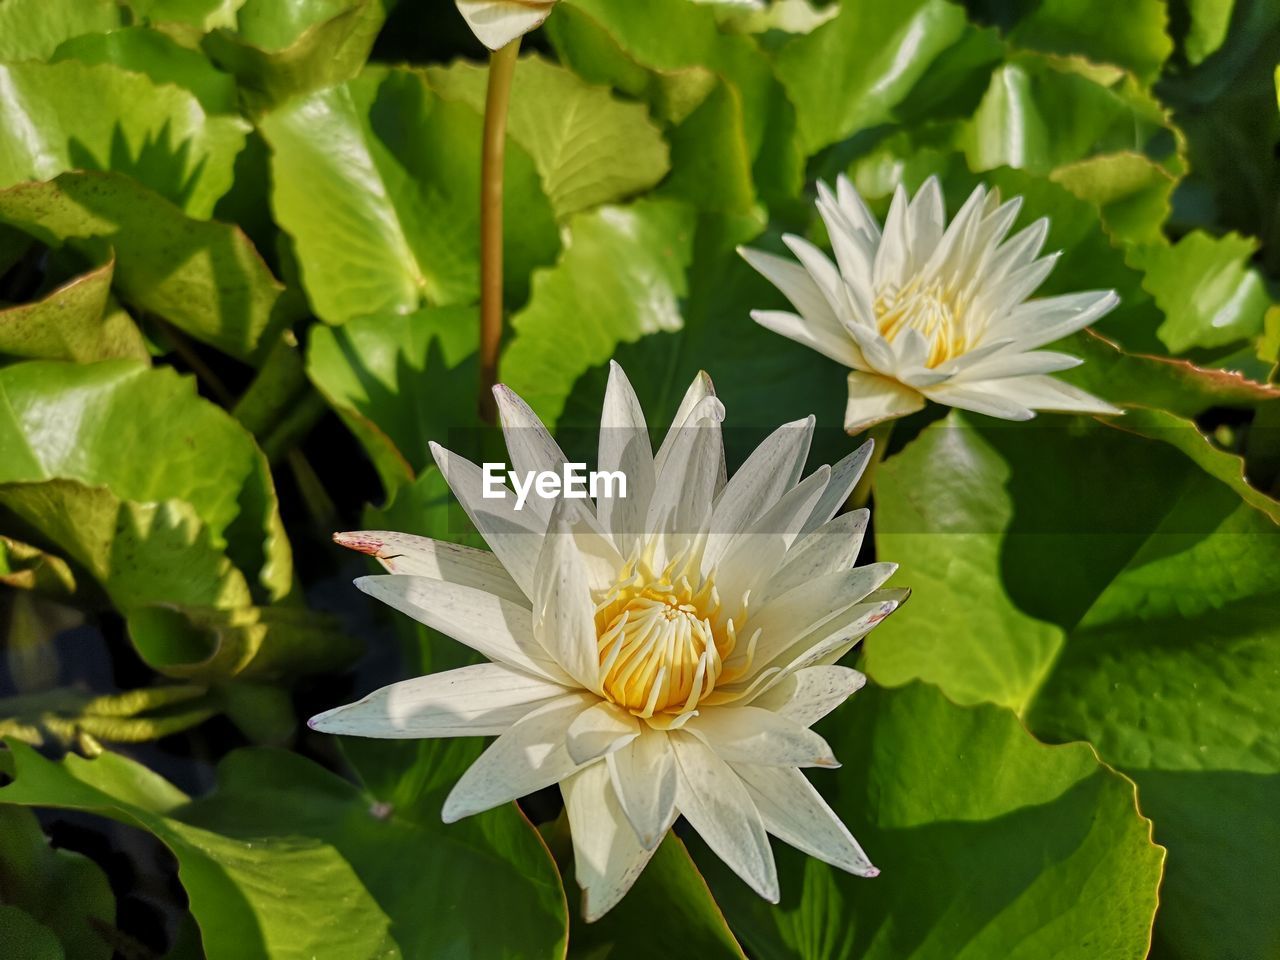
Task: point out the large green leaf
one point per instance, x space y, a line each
72 322
589 147
1040 112
989 845
283 50
160 57
400 382
288 862
1129 34
64 890
653 46
142 436
32 29
621 276
377 182
64 116
1204 285
851 72
1114 588
202 276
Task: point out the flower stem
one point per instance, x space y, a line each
880 433
502 66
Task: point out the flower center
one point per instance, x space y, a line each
662 648
931 308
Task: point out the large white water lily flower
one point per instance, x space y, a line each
497 22
658 655
926 310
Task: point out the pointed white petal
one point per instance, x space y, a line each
875 349
497 22
825 274
515 536
927 218
497 628
563 612
808 695
769 472
689 475
832 547
874 399
893 258
480 700
980 398
856 210
1038 322
408 555
692 402
801 289
607 855
795 813
624 447
1018 365
751 734
844 477
715 802
1046 393
855 253
600 730
830 642
529 756
644 776
530 447
833 342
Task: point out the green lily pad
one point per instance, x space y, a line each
589 147
203 277
989 845
32 29
384 221
286 861
1110 585
67 116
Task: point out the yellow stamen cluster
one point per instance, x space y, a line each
661 640
934 308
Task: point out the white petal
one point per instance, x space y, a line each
980 398
893 258
770 471
515 536
795 813
529 756
1038 322
1046 393
607 855
690 404
600 730
833 342
795 613
855 251
830 642
1019 365
688 477
825 274
563 612
530 447
856 210
715 802
800 288
408 555
497 628
927 218
876 352
808 695
624 446
644 776
497 22
874 399
829 549
480 700
751 734
844 477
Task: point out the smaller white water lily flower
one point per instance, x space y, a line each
926 311
658 654
497 22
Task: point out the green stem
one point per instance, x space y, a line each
502 67
880 433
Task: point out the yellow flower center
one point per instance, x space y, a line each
662 645
935 309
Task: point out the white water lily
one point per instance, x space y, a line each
660 654
926 311
497 22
